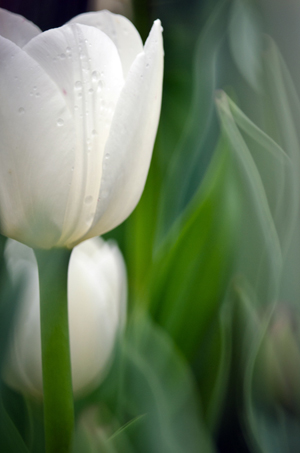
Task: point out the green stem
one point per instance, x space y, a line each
56 363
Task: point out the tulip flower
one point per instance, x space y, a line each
79 109
96 306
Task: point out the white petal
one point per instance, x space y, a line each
131 138
120 30
16 28
85 65
94 312
23 369
36 150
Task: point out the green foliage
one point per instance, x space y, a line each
158 402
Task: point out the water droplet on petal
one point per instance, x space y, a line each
107 156
94 132
21 110
95 76
37 95
68 50
88 200
78 85
100 86
91 90
62 56
90 218
60 122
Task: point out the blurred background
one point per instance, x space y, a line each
210 359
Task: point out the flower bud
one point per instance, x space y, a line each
97 291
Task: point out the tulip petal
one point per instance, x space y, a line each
16 28
120 30
130 143
23 370
36 150
96 276
85 65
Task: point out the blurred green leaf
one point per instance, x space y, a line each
10 438
282 109
213 366
159 385
190 270
260 253
193 152
271 427
245 40
140 231
158 409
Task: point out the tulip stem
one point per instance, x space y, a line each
56 363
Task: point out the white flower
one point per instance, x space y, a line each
97 291
79 109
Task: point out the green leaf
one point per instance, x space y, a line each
160 387
213 366
10 438
155 409
260 252
193 152
245 41
271 426
191 268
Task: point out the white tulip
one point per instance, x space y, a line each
97 291
79 109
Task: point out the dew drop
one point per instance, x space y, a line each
37 95
78 85
90 218
62 56
100 86
95 76
91 90
21 110
68 50
107 156
88 200
60 122
94 132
